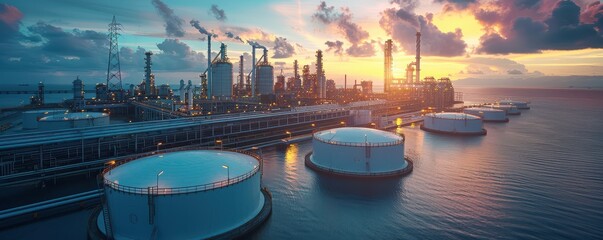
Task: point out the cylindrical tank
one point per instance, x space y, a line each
509 109
194 194
488 114
265 79
73 120
31 118
453 123
518 104
221 87
358 152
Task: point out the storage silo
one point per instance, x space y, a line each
31 118
73 120
518 104
221 72
222 80
488 114
265 76
361 152
509 109
193 194
453 123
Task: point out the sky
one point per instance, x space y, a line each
55 41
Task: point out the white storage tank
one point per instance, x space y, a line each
31 118
73 120
509 109
518 104
354 151
453 123
221 87
194 194
488 114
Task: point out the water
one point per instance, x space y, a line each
537 177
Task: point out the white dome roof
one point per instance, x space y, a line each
182 169
483 109
453 115
357 135
74 116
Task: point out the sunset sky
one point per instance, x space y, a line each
56 40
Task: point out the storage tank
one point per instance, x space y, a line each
453 123
265 79
354 151
509 109
193 194
222 80
31 118
165 91
518 104
73 120
488 114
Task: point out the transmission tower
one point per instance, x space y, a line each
113 68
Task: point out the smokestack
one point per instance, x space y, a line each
147 74
388 66
241 72
320 75
223 52
345 82
418 58
253 66
265 56
297 81
209 78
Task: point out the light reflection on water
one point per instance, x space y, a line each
538 176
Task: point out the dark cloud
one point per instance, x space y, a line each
342 21
282 49
561 30
514 72
233 36
173 23
433 41
218 13
458 4
59 53
201 29
336 47
527 3
365 49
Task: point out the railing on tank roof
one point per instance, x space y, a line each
179 190
361 144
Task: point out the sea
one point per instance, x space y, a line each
539 176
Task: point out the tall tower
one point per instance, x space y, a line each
113 67
147 74
418 58
320 75
241 84
297 81
388 66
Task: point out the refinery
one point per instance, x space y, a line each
157 151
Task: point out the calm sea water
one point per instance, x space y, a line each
540 176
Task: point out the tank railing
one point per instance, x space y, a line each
361 144
407 169
180 190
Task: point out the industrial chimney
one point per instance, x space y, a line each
147 74
418 58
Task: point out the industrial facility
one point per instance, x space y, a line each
353 151
523 105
